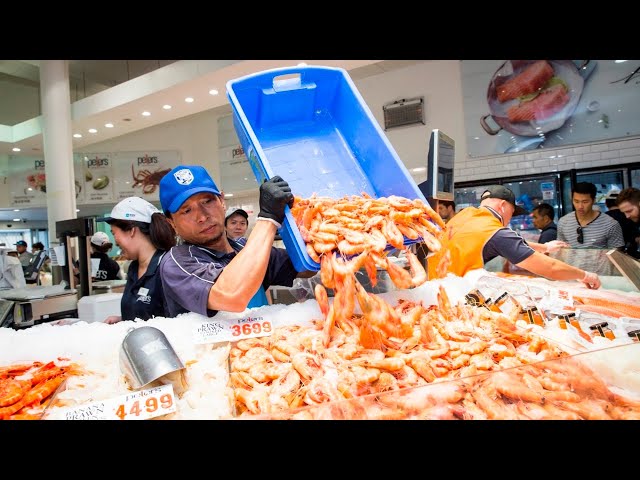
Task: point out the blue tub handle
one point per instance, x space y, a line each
285 82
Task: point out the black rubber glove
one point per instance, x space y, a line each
275 194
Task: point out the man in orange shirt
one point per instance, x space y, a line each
477 235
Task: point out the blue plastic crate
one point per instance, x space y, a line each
311 126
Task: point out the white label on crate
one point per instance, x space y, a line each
232 330
142 405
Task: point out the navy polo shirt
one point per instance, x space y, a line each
188 272
143 297
108 268
506 243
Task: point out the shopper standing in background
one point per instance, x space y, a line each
446 209
629 227
586 227
628 202
542 215
144 235
23 255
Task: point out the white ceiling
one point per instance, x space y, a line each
169 84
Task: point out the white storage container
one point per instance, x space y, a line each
95 308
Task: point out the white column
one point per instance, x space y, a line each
57 142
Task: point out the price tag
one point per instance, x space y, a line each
141 405
232 330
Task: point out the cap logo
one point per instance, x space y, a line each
184 176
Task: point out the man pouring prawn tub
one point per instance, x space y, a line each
477 235
209 271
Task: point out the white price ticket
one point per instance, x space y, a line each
232 330
141 405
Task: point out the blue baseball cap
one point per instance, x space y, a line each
183 182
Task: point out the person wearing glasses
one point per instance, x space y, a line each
586 227
476 236
209 271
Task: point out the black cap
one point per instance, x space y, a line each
503 193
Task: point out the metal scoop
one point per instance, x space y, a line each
146 355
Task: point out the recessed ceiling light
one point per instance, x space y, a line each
17 219
93 130
620 61
419 169
228 195
108 125
189 99
16 209
77 135
15 149
213 91
146 114
77 210
167 107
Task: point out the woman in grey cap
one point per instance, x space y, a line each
144 235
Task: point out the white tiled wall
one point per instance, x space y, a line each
603 154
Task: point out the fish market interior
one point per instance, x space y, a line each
396 263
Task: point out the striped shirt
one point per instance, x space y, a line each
603 232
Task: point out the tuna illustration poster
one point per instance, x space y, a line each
519 105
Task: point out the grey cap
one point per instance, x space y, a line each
503 193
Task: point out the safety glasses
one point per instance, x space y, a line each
580 235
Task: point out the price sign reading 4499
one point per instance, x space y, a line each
146 404
250 327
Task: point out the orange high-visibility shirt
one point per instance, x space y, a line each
466 235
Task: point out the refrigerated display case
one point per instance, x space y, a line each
596 385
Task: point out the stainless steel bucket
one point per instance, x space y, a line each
146 355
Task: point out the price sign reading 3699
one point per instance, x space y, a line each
251 327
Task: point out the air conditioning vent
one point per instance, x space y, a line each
406 111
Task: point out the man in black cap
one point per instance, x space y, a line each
23 255
477 235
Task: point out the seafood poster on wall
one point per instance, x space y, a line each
139 173
96 177
28 183
522 105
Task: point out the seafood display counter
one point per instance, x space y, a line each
464 360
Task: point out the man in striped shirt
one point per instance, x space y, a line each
586 227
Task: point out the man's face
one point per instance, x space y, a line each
445 211
631 211
21 248
539 221
200 219
237 226
582 203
